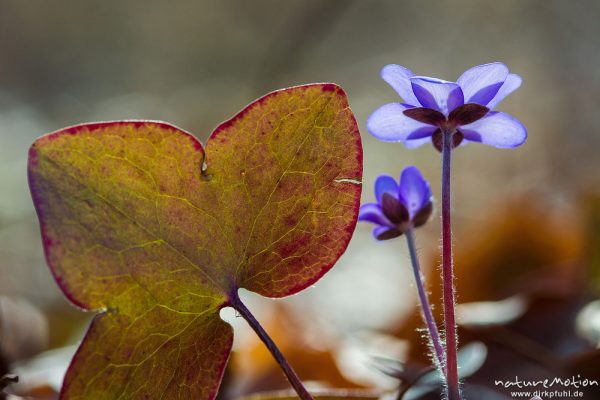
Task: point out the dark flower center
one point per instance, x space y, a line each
463 115
438 139
396 212
393 209
467 114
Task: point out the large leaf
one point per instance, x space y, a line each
143 225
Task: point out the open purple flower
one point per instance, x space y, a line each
399 206
433 106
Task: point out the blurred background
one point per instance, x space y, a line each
526 224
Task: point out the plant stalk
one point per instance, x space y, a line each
426 313
290 374
452 384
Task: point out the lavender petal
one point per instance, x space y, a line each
414 191
371 212
414 143
437 94
388 123
512 83
398 78
481 83
385 233
496 129
385 184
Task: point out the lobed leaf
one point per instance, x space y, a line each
144 226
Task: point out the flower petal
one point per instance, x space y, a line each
438 140
481 83
426 115
385 184
388 123
385 233
496 129
423 215
512 83
393 209
398 78
421 133
371 212
414 143
437 94
467 114
414 190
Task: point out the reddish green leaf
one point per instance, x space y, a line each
135 229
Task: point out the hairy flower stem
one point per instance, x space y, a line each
434 335
290 374
452 389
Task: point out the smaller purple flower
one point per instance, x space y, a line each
433 107
399 207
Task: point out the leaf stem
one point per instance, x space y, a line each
452 389
290 374
426 313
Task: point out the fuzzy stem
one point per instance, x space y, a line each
290 374
434 335
453 389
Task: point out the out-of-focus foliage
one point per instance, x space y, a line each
66 62
314 361
528 264
591 209
333 394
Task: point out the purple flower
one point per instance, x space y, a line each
432 106
398 207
